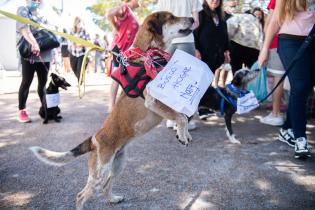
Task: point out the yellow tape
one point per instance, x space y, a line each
67 36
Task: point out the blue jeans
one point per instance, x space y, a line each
300 82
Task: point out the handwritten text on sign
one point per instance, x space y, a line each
182 83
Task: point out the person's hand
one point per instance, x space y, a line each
195 25
227 57
262 58
198 54
35 49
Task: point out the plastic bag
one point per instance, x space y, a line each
259 85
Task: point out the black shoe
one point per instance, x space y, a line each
301 148
287 136
205 113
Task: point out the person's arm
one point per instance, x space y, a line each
195 16
196 34
114 14
27 34
272 29
267 21
227 57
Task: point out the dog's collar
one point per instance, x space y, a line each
236 91
227 98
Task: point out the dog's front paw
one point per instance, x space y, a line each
233 140
183 141
45 121
115 199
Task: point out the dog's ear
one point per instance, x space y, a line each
155 25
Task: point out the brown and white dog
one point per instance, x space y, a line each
131 117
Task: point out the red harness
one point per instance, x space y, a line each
134 77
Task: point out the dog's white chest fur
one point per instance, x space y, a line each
52 100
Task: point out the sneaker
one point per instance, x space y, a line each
191 126
205 113
301 148
287 136
272 119
170 124
23 117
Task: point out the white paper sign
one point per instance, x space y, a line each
52 100
182 83
247 103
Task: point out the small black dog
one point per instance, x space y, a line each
52 93
213 100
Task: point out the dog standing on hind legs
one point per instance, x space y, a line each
130 117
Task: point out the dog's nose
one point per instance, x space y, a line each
257 69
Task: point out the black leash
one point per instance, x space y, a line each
305 45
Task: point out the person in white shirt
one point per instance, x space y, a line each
182 8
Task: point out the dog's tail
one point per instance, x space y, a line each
61 158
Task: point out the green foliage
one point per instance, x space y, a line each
102 6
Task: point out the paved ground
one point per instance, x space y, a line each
160 173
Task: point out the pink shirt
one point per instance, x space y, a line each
127 29
302 23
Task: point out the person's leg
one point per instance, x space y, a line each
42 70
275 69
27 78
250 56
236 53
73 63
300 81
216 77
79 66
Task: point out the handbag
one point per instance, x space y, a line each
45 39
259 86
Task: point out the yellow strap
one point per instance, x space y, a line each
67 36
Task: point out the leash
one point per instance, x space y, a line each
64 35
304 46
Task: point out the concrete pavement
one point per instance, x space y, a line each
160 173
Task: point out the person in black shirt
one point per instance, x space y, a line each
211 40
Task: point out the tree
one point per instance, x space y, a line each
102 6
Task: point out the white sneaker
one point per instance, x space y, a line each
191 126
301 148
272 119
170 124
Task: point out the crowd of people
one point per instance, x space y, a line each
271 39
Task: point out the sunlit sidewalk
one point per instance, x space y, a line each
10 80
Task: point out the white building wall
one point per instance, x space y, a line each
8 52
